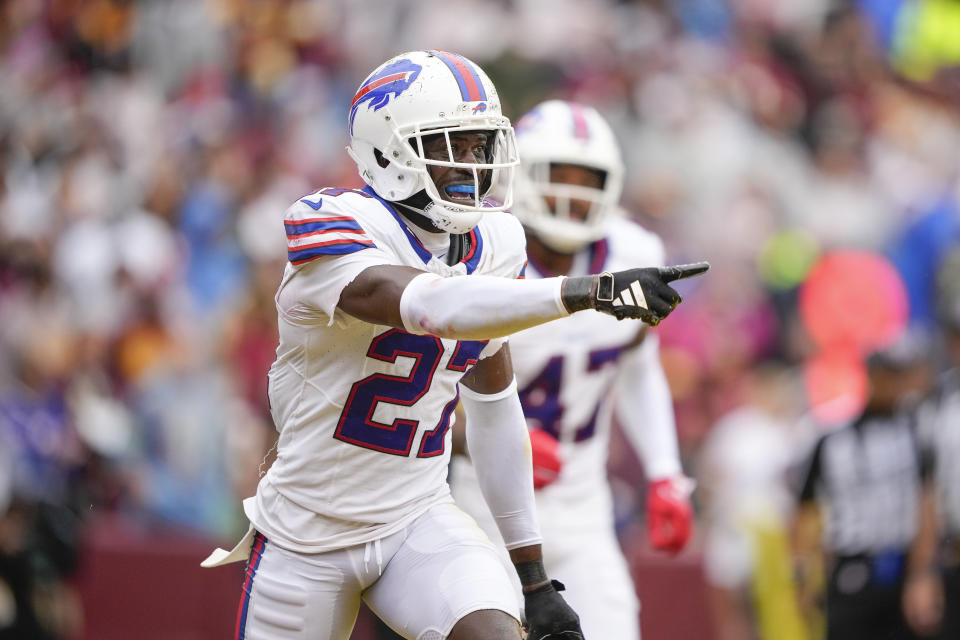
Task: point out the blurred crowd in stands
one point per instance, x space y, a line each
148 150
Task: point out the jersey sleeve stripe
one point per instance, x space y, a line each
320 238
331 242
321 219
314 224
318 232
331 248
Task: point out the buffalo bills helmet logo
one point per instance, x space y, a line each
392 79
480 108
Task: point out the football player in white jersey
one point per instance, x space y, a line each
574 373
392 308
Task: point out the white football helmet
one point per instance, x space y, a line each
422 93
560 132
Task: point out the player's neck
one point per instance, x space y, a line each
435 241
546 260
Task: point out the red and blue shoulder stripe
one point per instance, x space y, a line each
314 237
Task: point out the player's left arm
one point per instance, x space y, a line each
500 449
645 409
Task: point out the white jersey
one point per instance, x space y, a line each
363 410
566 371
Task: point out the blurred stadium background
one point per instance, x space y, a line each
809 150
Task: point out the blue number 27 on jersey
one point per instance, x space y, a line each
357 425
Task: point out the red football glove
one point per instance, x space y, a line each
669 514
546 458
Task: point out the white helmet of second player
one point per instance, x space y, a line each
560 132
419 94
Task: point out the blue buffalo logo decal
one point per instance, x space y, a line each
480 108
393 80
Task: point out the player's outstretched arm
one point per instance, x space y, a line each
500 450
484 307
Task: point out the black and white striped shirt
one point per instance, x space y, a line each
866 476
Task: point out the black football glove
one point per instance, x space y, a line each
634 293
549 617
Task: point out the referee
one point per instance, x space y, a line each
864 478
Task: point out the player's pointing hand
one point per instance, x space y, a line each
633 293
681 271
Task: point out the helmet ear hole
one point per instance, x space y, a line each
381 160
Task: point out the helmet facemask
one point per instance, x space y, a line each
494 172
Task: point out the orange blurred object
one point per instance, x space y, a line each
836 384
852 304
853 298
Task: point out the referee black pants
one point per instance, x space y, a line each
864 600
950 629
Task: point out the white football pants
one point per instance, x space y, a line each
420 581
